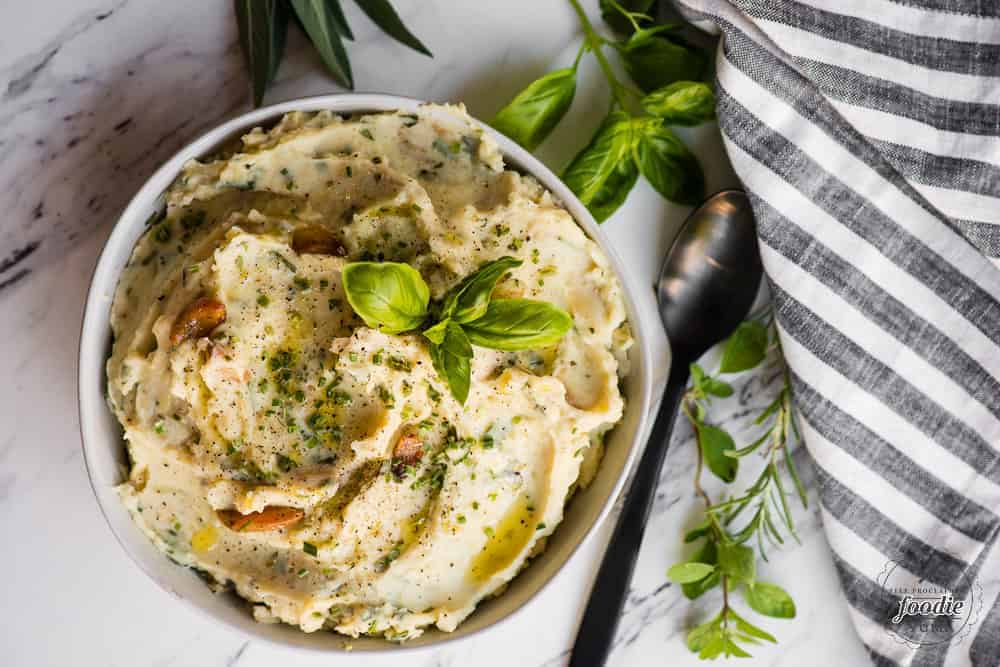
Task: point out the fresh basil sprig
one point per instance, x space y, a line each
264 23
394 298
627 143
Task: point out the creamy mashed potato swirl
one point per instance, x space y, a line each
318 466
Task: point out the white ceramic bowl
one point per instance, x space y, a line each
104 449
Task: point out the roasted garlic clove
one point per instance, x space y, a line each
270 518
197 320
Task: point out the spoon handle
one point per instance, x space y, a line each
600 619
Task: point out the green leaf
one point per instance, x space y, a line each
750 629
717 387
668 165
519 324
699 531
770 600
385 17
389 296
686 573
451 361
738 562
338 13
701 636
534 112
686 103
707 554
323 22
745 348
469 300
654 59
263 25
602 174
617 21
714 443
436 333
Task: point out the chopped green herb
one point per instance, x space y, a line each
263 300
310 548
367 134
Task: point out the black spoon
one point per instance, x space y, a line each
707 284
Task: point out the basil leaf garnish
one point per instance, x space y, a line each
451 360
519 324
436 333
389 296
668 165
603 173
653 59
468 301
263 25
685 103
325 23
530 116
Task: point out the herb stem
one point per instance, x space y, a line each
700 460
595 42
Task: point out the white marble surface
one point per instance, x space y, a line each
94 94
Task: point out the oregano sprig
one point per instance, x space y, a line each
758 516
394 298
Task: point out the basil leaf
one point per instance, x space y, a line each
738 562
686 573
686 103
519 324
388 296
436 333
536 110
714 443
707 554
468 301
263 25
617 21
668 165
324 26
653 59
770 600
451 361
384 16
603 173
745 348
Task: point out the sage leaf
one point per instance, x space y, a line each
519 324
469 300
603 173
263 25
618 22
686 573
384 16
324 24
534 112
738 562
685 103
769 600
745 348
654 58
748 628
709 555
714 443
668 165
451 361
389 296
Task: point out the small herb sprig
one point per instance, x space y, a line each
635 136
263 25
393 298
758 515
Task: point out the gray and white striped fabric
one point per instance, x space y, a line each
868 134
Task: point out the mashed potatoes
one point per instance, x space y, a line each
321 467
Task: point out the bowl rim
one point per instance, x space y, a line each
94 335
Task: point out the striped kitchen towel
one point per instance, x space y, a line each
868 135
